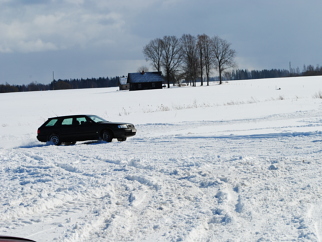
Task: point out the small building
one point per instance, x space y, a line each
123 85
145 80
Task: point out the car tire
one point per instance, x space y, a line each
122 139
107 136
54 138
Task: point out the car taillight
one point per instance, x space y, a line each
38 131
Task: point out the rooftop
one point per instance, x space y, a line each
141 77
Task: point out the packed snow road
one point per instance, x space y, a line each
169 185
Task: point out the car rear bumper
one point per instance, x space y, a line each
42 138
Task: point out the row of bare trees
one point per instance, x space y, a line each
190 57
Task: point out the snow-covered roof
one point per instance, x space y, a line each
141 77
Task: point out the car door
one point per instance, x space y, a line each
69 129
87 128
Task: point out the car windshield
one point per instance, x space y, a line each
97 119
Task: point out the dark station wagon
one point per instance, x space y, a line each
70 129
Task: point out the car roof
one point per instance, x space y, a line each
71 116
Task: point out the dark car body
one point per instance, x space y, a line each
69 129
14 239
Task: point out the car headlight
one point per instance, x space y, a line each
122 126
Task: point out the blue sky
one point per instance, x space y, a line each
96 38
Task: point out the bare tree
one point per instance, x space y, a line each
200 46
190 58
208 57
204 50
171 57
153 52
223 55
197 56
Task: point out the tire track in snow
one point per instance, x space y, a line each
106 190
38 204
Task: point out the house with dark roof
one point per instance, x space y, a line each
145 80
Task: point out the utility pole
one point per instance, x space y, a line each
53 80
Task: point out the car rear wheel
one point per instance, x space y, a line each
54 138
107 136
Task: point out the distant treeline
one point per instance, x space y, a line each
62 84
246 74
113 82
273 73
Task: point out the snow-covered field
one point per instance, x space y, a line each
234 162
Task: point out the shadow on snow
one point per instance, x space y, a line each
28 146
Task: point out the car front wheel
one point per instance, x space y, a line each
107 136
55 139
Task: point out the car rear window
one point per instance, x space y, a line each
51 122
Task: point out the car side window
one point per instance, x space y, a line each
81 120
67 121
51 122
